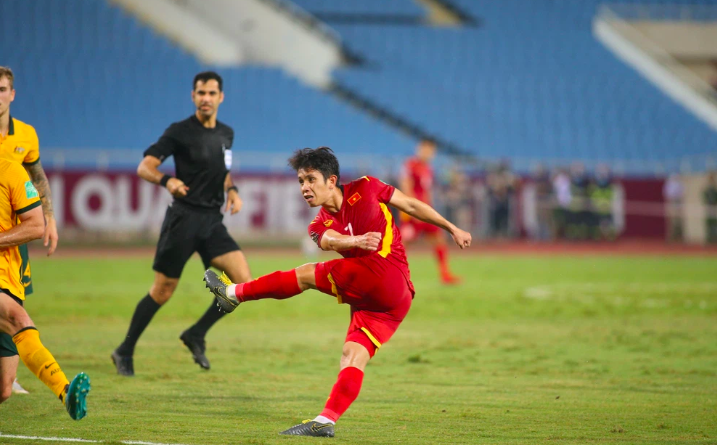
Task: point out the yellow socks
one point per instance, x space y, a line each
40 361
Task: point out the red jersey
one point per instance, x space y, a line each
421 174
364 210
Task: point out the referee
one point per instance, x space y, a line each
201 146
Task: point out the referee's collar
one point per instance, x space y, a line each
11 127
196 120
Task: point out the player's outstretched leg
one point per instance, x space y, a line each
310 428
43 364
277 285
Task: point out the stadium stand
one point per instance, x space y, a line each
531 82
91 76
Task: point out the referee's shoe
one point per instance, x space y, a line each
197 347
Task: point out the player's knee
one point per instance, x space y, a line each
19 319
354 355
5 392
162 292
306 276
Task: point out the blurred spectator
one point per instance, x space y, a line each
458 198
709 198
543 193
563 198
713 79
501 185
673 192
580 215
602 191
417 181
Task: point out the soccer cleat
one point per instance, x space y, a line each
218 286
450 279
76 396
124 364
196 346
310 428
18 389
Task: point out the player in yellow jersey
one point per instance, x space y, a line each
21 221
19 143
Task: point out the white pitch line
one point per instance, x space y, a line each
63 439
49 439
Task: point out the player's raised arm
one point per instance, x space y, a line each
426 213
333 240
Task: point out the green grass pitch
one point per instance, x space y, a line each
529 350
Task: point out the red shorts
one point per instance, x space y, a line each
376 290
413 228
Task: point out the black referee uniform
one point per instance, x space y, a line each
192 223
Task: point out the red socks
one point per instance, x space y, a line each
278 285
441 253
344 392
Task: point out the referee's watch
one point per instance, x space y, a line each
234 187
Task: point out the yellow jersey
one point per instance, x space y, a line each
17 196
21 144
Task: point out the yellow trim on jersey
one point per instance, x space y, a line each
334 289
366 178
388 236
371 337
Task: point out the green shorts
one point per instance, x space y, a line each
26 276
7 346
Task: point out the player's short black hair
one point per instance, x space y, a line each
321 159
429 140
206 76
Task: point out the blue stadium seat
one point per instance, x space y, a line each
90 76
530 82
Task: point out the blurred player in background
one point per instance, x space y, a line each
373 277
21 221
201 146
19 143
417 182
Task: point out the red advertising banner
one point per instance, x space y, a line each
123 203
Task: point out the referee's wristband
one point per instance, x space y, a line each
164 180
234 187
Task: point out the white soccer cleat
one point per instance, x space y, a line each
18 389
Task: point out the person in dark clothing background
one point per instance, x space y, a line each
201 146
602 192
709 198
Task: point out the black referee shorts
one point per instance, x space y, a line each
186 230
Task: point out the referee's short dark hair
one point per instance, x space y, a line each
205 77
321 159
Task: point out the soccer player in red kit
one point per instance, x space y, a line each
372 277
417 182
